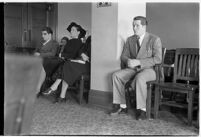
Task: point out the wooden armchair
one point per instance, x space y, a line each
186 69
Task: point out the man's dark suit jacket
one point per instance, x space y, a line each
49 49
48 53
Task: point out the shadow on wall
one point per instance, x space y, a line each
109 79
120 45
122 42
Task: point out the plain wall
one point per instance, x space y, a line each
104 41
110 26
77 12
126 12
177 24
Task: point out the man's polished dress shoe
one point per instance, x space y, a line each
48 91
141 115
119 110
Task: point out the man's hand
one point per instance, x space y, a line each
62 58
132 63
36 54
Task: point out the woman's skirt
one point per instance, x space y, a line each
71 71
51 65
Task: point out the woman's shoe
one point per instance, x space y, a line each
48 91
38 94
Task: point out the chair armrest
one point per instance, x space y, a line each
168 65
159 68
159 72
159 75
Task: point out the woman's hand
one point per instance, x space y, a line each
60 55
85 57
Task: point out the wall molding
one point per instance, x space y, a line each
102 99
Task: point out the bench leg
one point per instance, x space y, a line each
81 90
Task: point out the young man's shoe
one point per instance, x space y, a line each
39 94
119 111
48 91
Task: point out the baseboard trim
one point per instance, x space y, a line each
100 99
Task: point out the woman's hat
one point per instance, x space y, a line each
82 31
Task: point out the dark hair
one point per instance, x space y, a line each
79 28
142 19
65 38
48 29
88 40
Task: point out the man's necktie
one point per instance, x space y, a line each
138 43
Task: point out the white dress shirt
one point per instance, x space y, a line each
141 39
46 42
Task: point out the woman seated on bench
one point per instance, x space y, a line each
71 71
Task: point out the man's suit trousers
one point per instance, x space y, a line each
139 84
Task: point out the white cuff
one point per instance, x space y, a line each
123 105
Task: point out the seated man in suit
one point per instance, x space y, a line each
46 51
141 52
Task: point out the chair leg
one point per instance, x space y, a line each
156 103
190 107
81 90
128 104
160 99
148 105
197 122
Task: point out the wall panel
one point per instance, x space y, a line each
176 23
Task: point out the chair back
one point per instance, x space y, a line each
163 54
159 68
186 66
